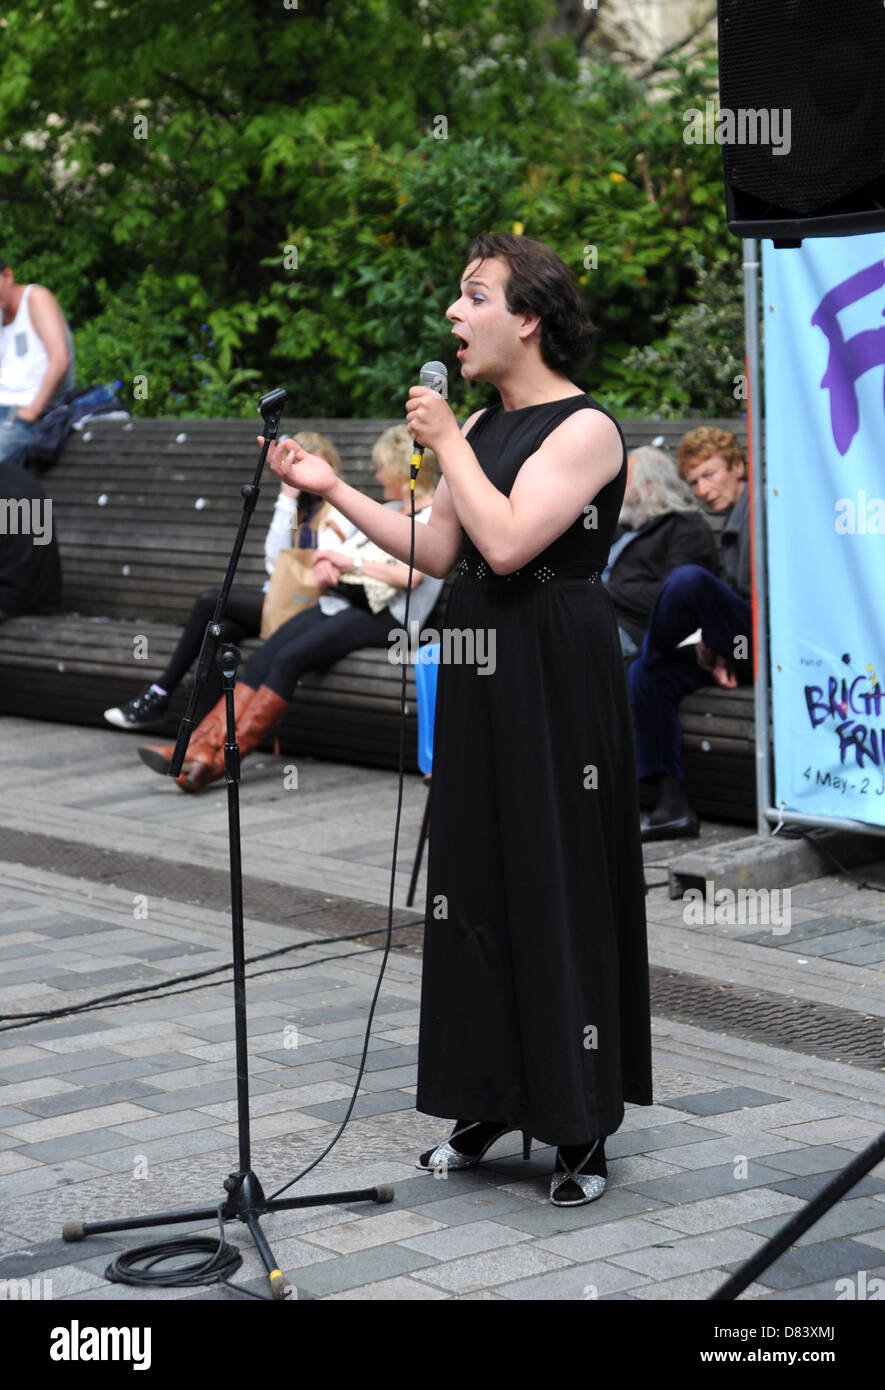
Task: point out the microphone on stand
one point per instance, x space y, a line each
436 376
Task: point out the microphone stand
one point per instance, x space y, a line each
245 1199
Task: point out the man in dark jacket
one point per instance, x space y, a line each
30 571
660 528
693 600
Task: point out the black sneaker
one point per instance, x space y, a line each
145 710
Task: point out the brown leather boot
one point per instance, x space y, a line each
259 715
207 737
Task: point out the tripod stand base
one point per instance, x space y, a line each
245 1202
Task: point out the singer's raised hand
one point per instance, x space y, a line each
429 419
300 469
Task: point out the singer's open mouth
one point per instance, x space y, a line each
462 344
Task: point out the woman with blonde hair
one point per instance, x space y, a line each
363 598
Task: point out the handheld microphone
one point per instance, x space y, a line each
436 376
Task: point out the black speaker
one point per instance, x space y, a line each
802 117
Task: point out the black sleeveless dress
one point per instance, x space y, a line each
535 997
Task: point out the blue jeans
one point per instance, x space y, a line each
690 597
14 436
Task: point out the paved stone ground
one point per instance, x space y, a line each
130 1108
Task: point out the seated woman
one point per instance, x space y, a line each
660 527
294 523
352 612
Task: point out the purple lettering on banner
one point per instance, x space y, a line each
851 358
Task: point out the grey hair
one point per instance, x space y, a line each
655 488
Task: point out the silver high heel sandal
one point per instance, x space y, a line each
591 1184
446 1157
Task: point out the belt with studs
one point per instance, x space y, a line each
566 571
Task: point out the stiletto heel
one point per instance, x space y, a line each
446 1156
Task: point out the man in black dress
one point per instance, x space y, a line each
535 1008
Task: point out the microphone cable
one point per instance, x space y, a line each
414 467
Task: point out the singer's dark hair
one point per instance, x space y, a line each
541 283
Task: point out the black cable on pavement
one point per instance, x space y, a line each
139 1267
105 1001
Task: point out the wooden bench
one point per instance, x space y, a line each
145 512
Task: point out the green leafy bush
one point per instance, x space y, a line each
223 204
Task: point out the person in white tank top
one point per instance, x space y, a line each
36 360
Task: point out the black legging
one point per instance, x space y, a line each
242 618
311 640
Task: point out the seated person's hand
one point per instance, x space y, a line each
325 571
340 562
717 666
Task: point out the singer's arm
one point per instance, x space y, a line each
552 488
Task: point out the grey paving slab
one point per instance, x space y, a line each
159 1126
701 1284
161 1150
76 1028
193 1097
729 1210
810 1264
127 1068
364 1267
605 1239
724 1150
424 1187
13 1115
856 1287
862 955
470 1238
813 1158
100 979
399 1290
720 1102
379 1104
840 942
809 1187
44 1178
222 1032
382 1058
333 1049
709 1182
488 1204
383 1080
63 928
688 1254
848 1217
52 1254
93 1142
655 1137
875 1238
584 1282
166 952
391 1225
493 1268
544 1219
69 1101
